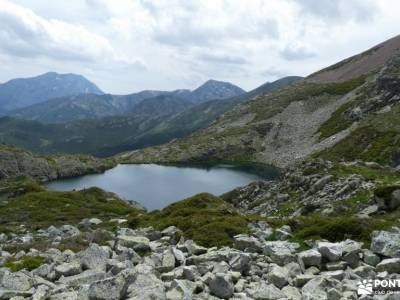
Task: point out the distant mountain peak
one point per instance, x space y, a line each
22 92
213 89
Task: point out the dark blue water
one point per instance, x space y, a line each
156 186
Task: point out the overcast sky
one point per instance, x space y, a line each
130 45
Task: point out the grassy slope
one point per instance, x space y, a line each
377 138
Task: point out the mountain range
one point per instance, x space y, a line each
138 122
92 106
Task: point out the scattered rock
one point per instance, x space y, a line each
330 251
390 265
310 258
278 276
247 243
386 243
94 257
137 243
222 286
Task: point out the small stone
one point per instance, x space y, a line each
137 243
86 277
240 263
194 249
181 289
281 252
146 284
302 279
173 232
247 243
338 274
334 294
365 271
317 288
90 222
291 293
41 293
284 233
330 251
263 291
190 273
239 286
386 243
371 258
310 258
16 281
109 288
337 265
390 265
179 256
94 257
278 276
222 286
68 269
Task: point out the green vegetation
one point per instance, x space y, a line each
338 122
385 192
44 208
206 219
377 139
337 228
18 185
365 143
382 175
27 262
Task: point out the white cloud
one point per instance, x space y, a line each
25 34
296 52
129 45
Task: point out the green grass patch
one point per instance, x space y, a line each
27 262
365 143
19 185
358 201
337 228
338 121
206 219
42 209
385 192
384 176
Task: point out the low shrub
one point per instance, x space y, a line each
206 219
27 262
42 209
337 228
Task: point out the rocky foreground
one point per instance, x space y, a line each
149 264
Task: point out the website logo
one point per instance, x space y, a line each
365 287
378 287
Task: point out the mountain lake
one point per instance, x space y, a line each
156 186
